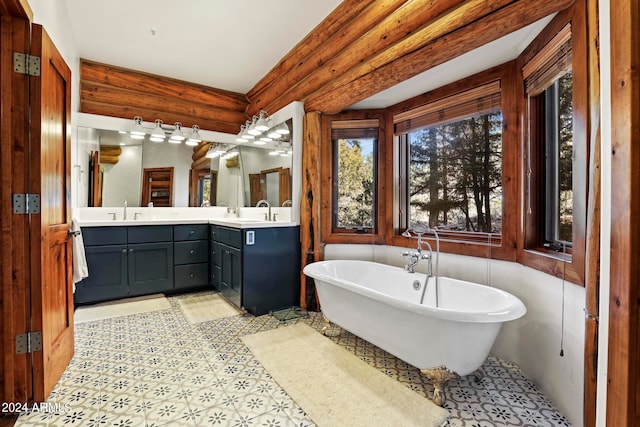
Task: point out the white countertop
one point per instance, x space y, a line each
228 222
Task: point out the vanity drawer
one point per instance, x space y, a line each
190 232
231 237
100 236
150 233
191 252
188 276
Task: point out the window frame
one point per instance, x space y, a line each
330 233
531 250
464 243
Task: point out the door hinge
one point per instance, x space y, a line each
24 63
26 204
29 342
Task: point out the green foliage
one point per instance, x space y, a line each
456 174
355 183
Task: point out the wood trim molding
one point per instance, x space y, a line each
15 271
529 253
592 257
312 248
623 375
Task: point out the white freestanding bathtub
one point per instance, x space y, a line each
380 304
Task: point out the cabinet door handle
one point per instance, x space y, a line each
124 251
130 250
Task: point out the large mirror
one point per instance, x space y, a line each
112 168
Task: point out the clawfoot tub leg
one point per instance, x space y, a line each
479 374
327 325
439 377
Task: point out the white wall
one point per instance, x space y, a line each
53 16
178 156
532 342
123 180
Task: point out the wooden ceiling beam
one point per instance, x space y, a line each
316 40
326 42
453 41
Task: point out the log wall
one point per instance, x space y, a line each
118 92
363 47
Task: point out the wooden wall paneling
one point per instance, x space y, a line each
623 393
15 377
363 29
311 247
18 9
100 94
109 75
317 40
451 43
200 150
120 92
168 117
592 257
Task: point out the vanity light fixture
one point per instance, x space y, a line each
283 129
240 137
252 128
157 134
177 136
137 131
194 138
261 124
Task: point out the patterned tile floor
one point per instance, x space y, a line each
157 369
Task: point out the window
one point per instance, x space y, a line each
548 80
354 145
555 152
451 163
558 149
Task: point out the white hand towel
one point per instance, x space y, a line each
80 269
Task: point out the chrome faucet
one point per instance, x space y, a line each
124 215
287 203
264 202
415 257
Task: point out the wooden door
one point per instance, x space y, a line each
157 187
51 266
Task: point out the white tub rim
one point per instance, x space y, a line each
513 309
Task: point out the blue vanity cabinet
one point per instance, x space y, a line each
226 262
106 254
257 269
270 269
191 255
126 261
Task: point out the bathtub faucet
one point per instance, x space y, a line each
420 230
417 255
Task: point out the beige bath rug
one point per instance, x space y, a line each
202 308
333 386
122 307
